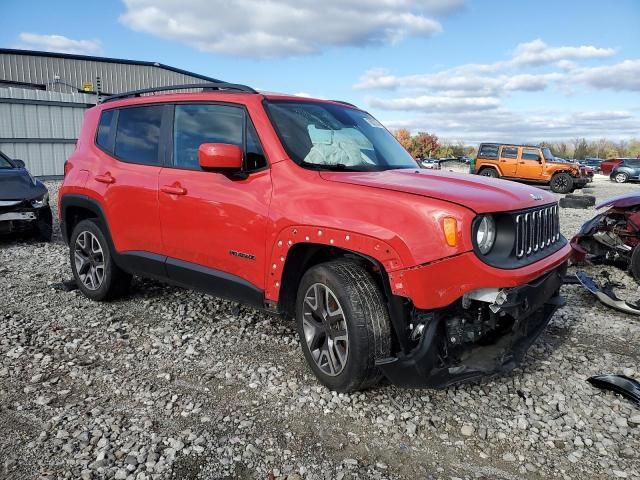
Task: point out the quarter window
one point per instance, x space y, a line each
104 138
509 152
138 134
488 151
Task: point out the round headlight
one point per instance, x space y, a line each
486 234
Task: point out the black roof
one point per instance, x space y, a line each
91 58
515 144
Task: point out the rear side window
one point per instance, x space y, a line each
138 134
488 151
530 154
509 152
206 123
103 137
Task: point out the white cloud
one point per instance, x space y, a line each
527 126
538 52
263 29
59 43
435 103
621 76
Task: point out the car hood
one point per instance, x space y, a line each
480 194
16 184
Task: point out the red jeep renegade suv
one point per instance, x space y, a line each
311 209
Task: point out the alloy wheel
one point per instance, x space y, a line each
621 178
89 260
325 329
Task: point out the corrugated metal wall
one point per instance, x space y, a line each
41 127
116 77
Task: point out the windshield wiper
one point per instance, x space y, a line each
326 166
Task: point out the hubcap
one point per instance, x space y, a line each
620 178
325 329
89 260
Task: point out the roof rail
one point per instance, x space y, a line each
204 86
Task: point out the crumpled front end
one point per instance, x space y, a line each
485 333
18 216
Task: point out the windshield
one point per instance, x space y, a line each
547 154
4 163
333 137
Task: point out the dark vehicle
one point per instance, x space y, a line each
24 201
628 169
592 162
612 237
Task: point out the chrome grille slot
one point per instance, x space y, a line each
536 230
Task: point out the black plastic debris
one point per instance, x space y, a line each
626 386
66 286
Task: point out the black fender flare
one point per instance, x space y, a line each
87 203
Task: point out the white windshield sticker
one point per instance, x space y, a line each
373 122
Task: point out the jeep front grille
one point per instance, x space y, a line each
536 230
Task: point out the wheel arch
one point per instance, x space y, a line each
74 208
491 166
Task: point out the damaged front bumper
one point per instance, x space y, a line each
482 334
23 216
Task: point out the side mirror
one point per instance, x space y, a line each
18 163
218 156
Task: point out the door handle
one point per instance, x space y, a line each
503 161
105 178
173 189
521 162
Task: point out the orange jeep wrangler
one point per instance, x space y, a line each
528 164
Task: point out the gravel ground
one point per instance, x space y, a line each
173 384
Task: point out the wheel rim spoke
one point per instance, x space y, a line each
89 260
325 329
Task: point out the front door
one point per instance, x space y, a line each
213 223
530 165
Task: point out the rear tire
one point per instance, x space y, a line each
343 325
95 272
635 263
561 183
620 177
488 172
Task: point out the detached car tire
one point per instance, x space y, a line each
343 325
561 183
44 225
95 272
488 172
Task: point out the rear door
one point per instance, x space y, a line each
214 231
126 173
530 164
508 160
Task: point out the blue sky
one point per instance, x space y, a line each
465 70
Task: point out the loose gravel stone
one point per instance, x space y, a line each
168 383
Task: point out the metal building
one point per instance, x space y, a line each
43 96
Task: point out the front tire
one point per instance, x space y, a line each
95 272
561 183
343 325
620 177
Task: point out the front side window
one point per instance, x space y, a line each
138 134
530 154
509 152
548 156
4 162
335 137
196 124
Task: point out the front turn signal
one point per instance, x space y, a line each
450 227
